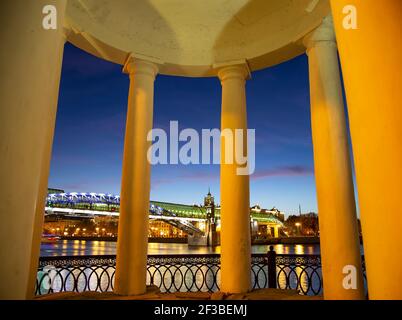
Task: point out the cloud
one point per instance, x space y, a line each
100 185
77 187
283 171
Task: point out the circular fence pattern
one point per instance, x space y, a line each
177 273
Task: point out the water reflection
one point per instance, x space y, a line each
299 249
280 249
82 247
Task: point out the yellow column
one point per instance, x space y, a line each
132 242
235 207
371 63
30 65
339 241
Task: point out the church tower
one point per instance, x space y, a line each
209 204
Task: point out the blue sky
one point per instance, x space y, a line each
89 134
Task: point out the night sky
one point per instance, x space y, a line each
89 134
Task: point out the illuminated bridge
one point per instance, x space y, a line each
88 205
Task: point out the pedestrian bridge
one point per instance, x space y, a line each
182 216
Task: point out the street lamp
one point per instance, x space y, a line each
298 225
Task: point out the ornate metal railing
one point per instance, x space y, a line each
300 272
184 273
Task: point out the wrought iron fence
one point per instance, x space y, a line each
183 273
299 272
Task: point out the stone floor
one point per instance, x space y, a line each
153 293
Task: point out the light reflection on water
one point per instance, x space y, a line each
83 247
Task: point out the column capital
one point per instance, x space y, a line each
135 66
322 35
234 69
67 30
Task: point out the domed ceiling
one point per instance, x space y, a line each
190 37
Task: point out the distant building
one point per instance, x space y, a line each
303 224
274 211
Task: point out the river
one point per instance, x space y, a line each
84 247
